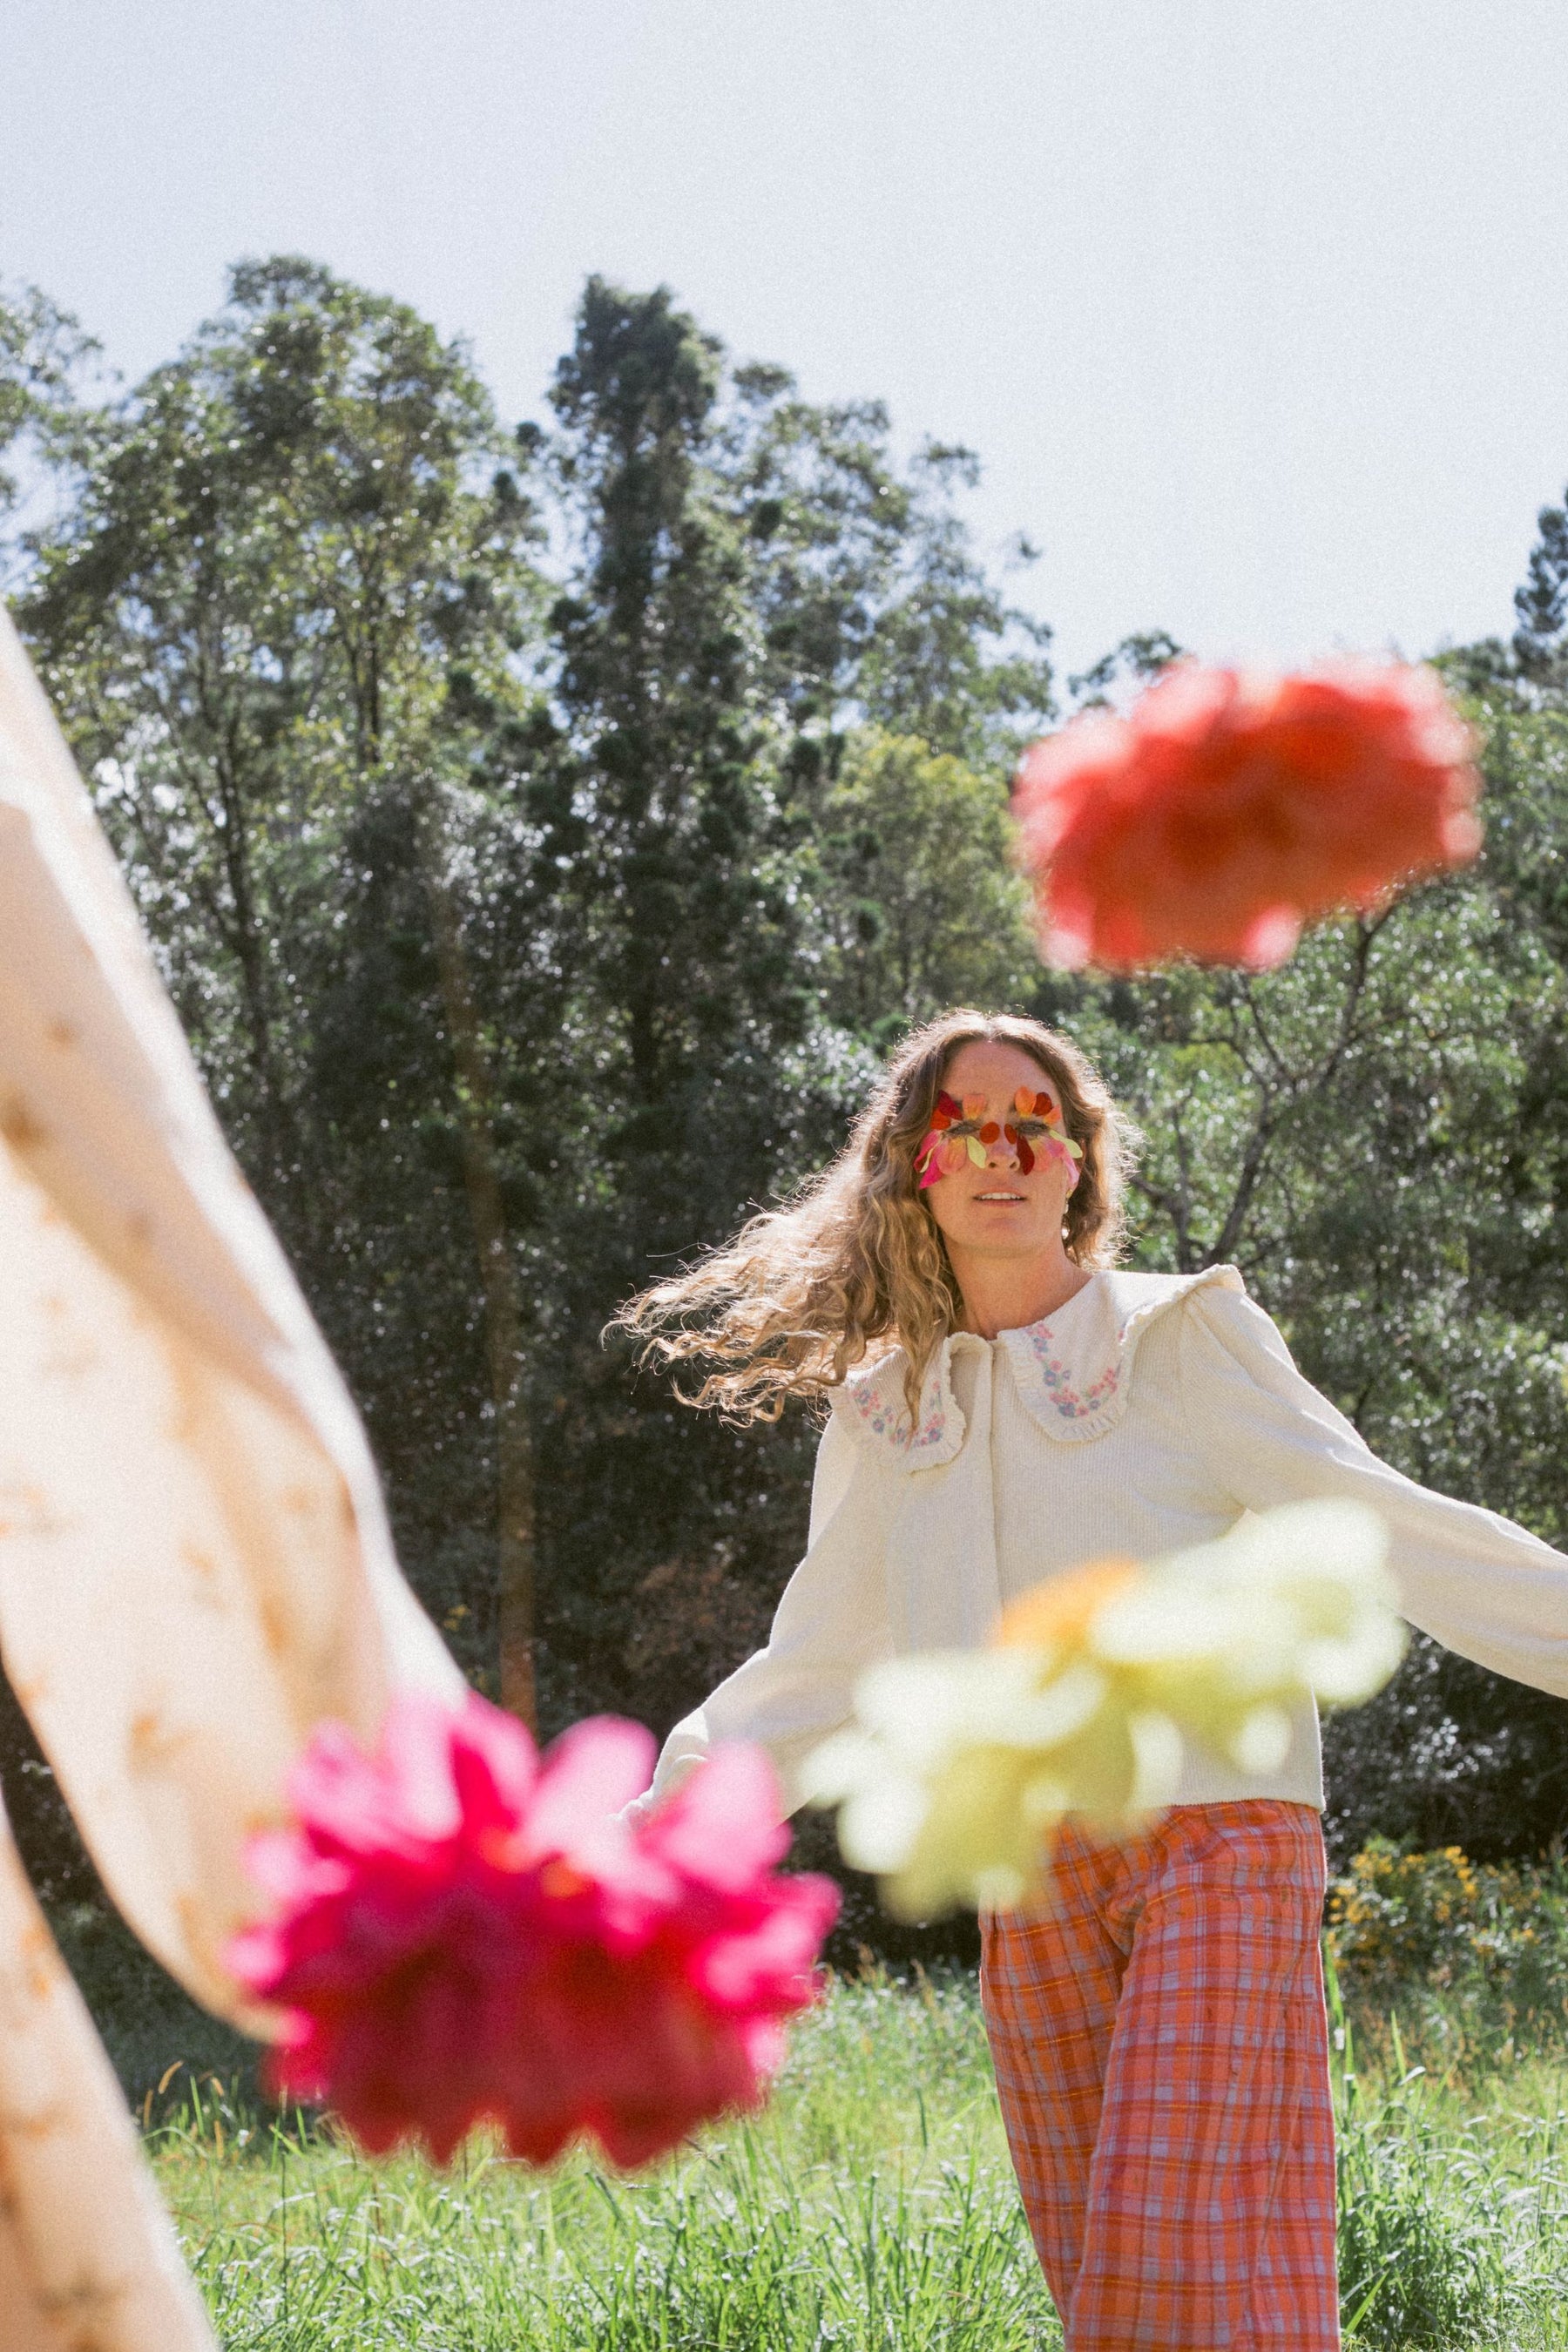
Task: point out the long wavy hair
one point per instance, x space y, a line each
854 1264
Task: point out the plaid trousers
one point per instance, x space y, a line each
1161 2047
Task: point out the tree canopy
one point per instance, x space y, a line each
545 832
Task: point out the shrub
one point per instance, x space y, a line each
1496 1935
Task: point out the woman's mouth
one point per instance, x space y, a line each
1000 1196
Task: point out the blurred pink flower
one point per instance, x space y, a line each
465 1932
1227 810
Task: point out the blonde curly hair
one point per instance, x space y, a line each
854 1263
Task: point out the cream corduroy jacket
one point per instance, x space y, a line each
1150 1413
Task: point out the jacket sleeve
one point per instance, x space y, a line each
195 1568
830 1625
1477 1582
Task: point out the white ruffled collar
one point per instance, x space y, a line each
1073 1369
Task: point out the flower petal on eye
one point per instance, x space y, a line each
990 1132
974 1106
976 1149
1025 1157
1024 1100
954 1152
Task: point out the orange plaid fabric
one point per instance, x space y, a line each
1162 2053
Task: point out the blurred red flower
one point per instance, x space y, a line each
466 1932
1227 810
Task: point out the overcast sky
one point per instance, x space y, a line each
1258 314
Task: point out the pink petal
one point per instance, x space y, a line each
772 1961
724 1826
494 1767
590 1773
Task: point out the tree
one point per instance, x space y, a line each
43 355
1541 604
690 933
874 606
950 660
1136 662
297 569
918 890
656 878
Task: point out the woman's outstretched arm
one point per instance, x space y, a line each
830 1625
1477 1582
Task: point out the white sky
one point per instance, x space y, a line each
1257 312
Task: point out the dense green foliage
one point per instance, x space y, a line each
543 833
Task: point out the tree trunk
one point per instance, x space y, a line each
515 1544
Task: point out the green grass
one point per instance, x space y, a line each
1453 2190
871 2206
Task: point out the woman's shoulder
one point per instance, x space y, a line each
1074 1369
1135 1298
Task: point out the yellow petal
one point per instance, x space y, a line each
1055 1615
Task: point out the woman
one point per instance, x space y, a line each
1004 1406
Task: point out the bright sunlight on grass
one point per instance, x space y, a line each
872 2206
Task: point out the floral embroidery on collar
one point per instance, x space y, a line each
1073 1372
1073 1404
875 1397
885 1419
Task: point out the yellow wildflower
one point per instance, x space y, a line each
962 1764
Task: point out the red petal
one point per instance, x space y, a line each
1229 810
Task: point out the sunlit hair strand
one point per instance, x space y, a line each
854 1263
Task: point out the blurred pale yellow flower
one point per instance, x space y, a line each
962 1763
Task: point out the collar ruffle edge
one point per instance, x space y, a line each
1073 1371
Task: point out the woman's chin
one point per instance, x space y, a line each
1012 1230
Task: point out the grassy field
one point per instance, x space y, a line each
872 2206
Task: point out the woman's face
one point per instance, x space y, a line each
999 1211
